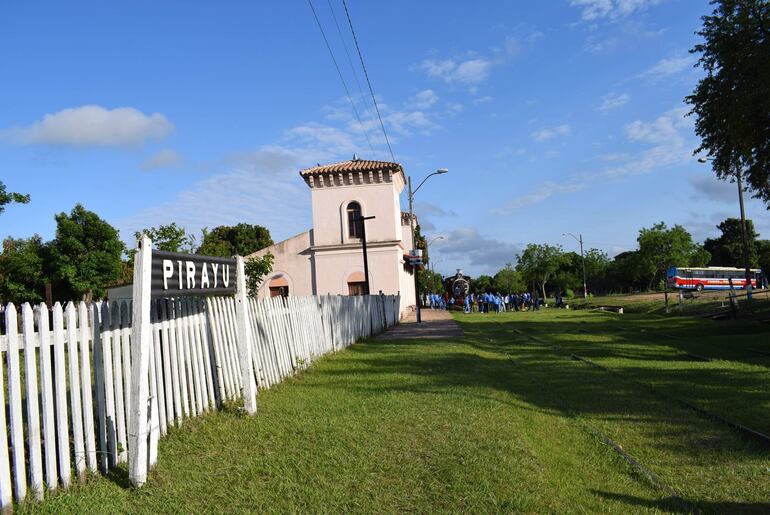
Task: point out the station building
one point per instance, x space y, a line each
328 258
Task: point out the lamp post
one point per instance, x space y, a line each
411 226
362 220
583 259
744 233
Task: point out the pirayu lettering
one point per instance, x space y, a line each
190 275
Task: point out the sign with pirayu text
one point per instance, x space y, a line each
175 274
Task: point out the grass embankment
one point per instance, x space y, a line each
695 303
492 422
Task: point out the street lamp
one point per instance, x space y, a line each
411 193
744 233
583 258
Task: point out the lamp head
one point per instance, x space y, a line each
442 170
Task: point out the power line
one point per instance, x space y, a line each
345 46
342 79
366 74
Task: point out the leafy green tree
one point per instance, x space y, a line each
597 263
661 247
727 249
538 263
256 269
171 237
508 280
569 275
482 284
430 282
10 197
241 240
625 273
732 102
22 276
85 256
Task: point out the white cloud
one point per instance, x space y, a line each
483 100
548 133
613 101
667 145
466 247
665 129
245 192
611 9
468 72
668 67
166 158
423 100
93 125
540 194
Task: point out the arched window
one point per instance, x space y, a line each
355 228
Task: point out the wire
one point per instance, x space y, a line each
345 46
342 79
366 74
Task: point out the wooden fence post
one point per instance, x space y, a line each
141 338
244 342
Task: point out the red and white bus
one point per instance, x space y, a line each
712 278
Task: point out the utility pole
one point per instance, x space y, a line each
744 234
415 269
362 220
414 239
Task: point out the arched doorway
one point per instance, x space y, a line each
356 283
279 286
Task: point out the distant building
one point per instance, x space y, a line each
328 258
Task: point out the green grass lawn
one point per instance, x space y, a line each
709 302
493 422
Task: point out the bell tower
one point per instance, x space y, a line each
342 191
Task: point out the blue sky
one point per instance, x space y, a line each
555 116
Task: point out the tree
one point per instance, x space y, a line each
732 102
569 275
85 255
241 240
727 249
256 269
539 263
10 197
661 247
22 276
624 273
171 237
482 284
430 282
508 280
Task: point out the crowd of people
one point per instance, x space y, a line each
485 302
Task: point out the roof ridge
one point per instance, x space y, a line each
354 165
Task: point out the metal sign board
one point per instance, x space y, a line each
176 274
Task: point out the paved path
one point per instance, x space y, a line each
436 324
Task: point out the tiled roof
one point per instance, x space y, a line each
354 165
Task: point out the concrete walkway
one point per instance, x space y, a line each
435 325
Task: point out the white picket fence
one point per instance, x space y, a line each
67 372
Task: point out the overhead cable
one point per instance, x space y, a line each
342 79
368 82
